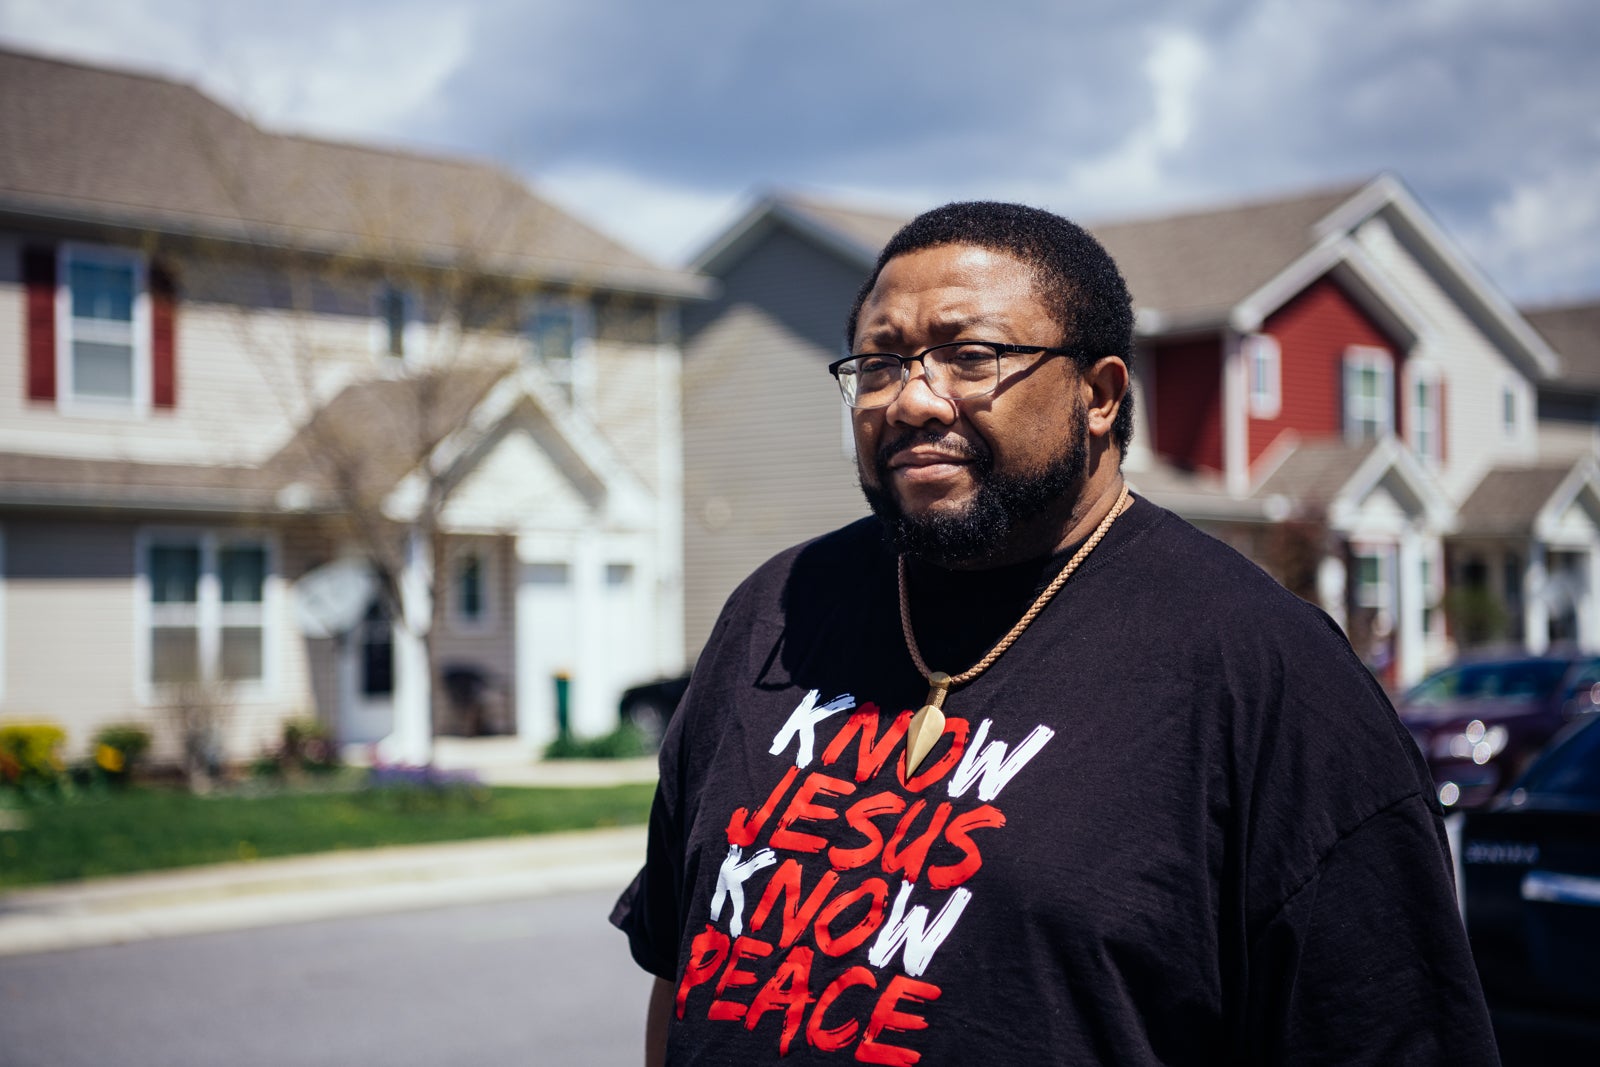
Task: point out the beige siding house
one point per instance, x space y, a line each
1323 380
319 429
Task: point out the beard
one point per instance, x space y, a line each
1000 506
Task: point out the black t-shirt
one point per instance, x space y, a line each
1176 822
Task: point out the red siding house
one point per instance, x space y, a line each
1325 382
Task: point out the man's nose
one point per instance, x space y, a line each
918 404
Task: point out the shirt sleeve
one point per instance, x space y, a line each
1368 962
648 907
649 910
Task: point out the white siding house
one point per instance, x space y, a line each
235 357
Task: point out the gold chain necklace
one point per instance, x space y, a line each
927 725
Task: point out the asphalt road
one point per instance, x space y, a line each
538 981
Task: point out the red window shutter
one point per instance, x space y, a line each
39 278
163 354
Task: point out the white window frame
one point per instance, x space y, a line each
488 574
1513 411
1358 358
1425 426
67 330
211 615
1263 360
410 324
572 376
1386 555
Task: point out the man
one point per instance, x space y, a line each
1174 821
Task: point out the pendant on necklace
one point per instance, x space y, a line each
927 725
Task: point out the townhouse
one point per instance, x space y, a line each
313 428
1324 381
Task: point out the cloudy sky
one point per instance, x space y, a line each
658 121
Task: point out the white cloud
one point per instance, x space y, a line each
1135 170
666 223
1544 235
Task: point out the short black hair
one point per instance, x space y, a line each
1076 278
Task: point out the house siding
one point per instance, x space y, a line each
242 374
1477 369
1188 402
765 455
1313 330
73 616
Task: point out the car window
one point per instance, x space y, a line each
1585 681
1571 769
1491 681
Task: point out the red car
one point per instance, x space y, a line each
1480 723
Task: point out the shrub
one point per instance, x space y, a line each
625 742
308 745
30 755
119 749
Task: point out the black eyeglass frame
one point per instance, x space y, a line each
906 361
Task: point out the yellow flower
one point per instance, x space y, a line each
108 758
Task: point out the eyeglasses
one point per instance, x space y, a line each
959 370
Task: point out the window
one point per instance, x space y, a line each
546 573
1508 411
1372 579
472 586
1426 415
207 600
1263 363
395 332
104 351
555 332
376 638
1368 394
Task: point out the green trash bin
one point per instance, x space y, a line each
563 706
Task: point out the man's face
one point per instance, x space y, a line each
962 482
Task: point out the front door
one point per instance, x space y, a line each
366 673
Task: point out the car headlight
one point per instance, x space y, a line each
1477 742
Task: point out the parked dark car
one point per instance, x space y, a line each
650 705
1530 873
1480 723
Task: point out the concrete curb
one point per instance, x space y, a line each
305 888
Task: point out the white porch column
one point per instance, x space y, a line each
1412 651
1235 415
1535 612
412 740
589 717
1331 591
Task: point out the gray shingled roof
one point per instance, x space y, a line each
1573 330
375 432
33 480
1315 472
1508 499
1197 266
1192 268
130 149
868 230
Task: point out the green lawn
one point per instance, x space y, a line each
122 831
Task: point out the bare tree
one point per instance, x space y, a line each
436 251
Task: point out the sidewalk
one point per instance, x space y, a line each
331 885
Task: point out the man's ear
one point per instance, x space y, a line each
1104 385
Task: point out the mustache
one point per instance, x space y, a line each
944 441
